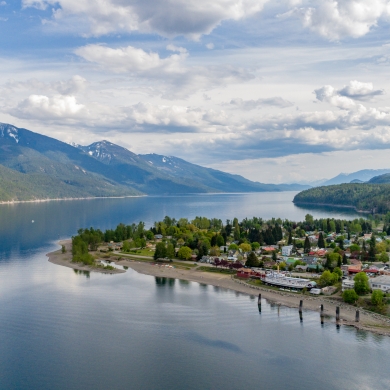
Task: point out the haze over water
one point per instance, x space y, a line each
62 330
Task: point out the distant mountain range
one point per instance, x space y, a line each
356 177
34 166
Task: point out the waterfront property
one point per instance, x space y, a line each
380 283
281 280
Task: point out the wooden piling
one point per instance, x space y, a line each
259 300
322 309
300 305
357 316
338 313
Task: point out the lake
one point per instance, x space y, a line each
65 330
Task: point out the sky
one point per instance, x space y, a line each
276 91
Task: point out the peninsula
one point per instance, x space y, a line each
224 251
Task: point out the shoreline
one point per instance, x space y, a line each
10 202
65 260
333 205
369 321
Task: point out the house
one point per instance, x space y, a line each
310 260
347 285
244 273
301 268
380 283
286 250
158 236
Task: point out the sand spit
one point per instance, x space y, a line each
369 321
65 259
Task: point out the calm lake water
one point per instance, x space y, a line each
65 330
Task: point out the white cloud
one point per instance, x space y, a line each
168 18
360 91
252 104
43 107
210 46
130 59
336 20
174 78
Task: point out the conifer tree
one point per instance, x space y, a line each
321 241
306 245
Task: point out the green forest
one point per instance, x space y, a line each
372 198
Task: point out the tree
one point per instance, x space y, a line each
354 248
126 246
345 260
321 241
160 252
215 251
361 283
245 247
383 257
337 271
289 242
350 296
63 249
233 247
170 253
371 251
309 219
306 245
220 241
377 298
326 279
252 260
274 257
185 253
255 246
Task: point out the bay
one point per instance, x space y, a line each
65 330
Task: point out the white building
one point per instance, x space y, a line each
347 285
380 283
286 250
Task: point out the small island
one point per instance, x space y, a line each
329 262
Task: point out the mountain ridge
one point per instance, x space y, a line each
101 169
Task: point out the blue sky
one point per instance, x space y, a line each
278 91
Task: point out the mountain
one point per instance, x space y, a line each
363 175
35 166
356 181
213 179
382 179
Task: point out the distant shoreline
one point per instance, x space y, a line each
332 205
60 199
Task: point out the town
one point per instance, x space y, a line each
348 260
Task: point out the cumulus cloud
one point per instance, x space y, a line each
175 78
360 91
338 19
344 97
168 18
252 104
43 107
72 86
131 59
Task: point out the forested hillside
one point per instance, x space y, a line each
364 197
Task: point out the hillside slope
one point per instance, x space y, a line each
374 198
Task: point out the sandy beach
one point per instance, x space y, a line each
368 321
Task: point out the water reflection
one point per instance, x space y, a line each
160 281
82 272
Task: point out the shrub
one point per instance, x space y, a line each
350 296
